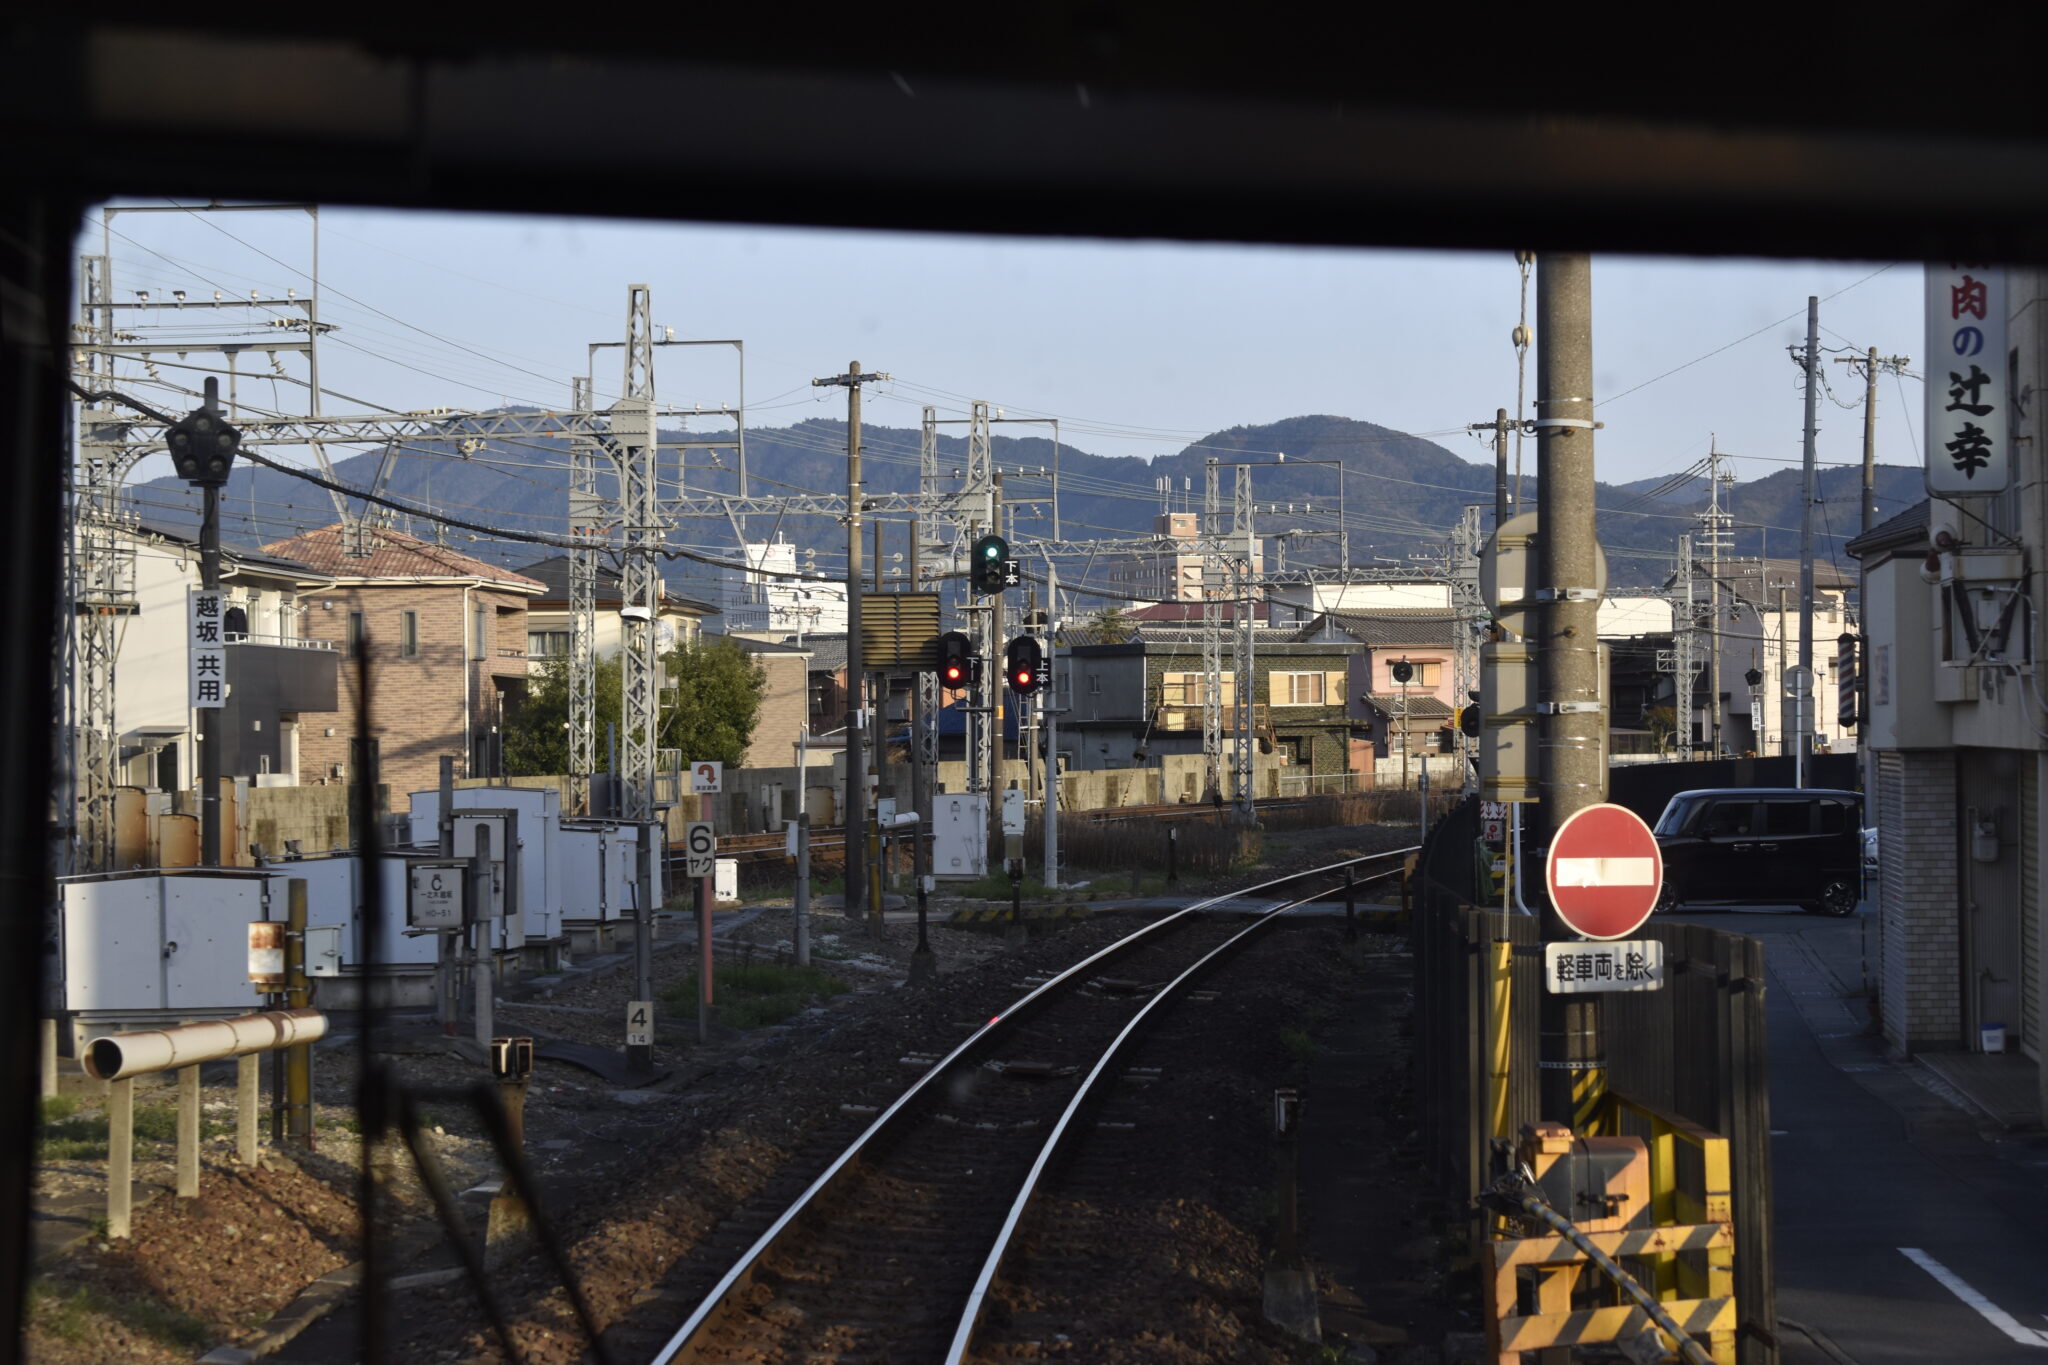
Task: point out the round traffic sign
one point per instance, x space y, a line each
1604 872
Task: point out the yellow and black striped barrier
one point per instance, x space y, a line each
1680 1235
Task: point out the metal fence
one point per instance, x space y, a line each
1695 1049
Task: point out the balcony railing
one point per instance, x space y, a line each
241 637
1176 718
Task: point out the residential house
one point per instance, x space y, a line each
1131 701
1955 737
1390 718
276 676
444 636
679 620
1759 631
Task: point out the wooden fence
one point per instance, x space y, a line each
1695 1049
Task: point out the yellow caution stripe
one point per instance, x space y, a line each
1696 1316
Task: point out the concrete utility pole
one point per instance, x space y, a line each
1811 364
1871 366
855 817
1499 426
1568 649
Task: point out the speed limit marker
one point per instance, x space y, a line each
700 846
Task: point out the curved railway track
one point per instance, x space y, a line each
892 1253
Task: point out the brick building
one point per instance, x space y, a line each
444 637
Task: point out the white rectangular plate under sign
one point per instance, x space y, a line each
1606 871
700 847
1623 965
640 1023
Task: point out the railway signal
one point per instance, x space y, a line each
992 569
1404 672
1470 721
1024 665
955 661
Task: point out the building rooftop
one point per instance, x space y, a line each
1427 626
1906 531
1421 705
393 554
255 559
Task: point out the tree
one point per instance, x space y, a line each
716 703
709 715
1111 626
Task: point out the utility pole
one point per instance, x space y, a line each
1811 364
855 819
1499 426
1568 651
1871 366
1719 524
924 757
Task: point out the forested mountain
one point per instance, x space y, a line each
1399 493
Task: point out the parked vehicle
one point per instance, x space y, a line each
1763 846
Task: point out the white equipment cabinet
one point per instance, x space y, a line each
142 947
960 835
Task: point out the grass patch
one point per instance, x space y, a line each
756 994
83 1137
56 1108
69 1316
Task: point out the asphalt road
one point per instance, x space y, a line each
1908 1228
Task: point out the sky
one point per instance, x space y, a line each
1139 348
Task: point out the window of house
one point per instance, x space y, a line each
480 633
1298 689
1426 675
1094 684
547 644
1186 689
355 635
409 634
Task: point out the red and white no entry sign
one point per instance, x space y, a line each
1604 872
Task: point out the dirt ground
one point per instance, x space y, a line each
635 1182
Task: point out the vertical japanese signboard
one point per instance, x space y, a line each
208 650
1967 386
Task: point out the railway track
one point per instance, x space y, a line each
892 1253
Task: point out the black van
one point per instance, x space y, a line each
1763 846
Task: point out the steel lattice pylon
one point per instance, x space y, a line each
1468 611
589 527
1244 575
633 430
1215 586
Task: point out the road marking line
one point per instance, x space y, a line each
1991 1312
1606 871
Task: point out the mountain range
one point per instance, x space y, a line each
1401 494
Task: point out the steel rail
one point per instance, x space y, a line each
984 1284
682 1347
